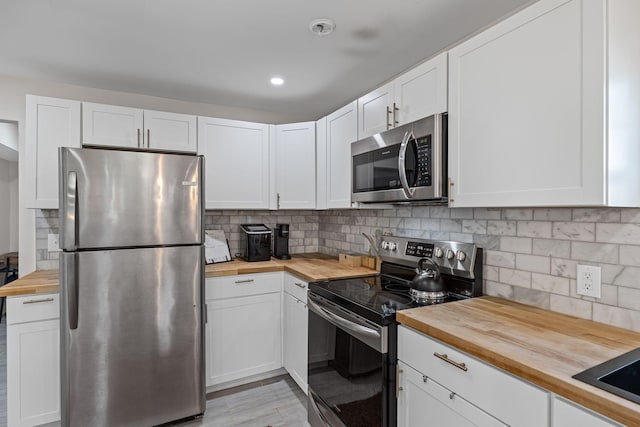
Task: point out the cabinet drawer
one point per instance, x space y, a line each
242 285
31 308
507 398
295 287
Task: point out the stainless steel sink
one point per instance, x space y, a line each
620 375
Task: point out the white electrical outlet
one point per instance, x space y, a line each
52 243
589 281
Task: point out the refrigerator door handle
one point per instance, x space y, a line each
70 213
71 288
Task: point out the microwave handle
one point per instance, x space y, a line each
408 191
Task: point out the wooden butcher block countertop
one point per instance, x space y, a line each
38 282
309 267
313 267
543 347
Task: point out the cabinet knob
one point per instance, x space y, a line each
452 395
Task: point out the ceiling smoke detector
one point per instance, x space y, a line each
322 27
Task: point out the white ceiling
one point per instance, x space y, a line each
224 52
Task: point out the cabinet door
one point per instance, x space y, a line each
295 166
342 130
112 126
33 374
321 163
375 111
170 131
423 402
422 91
50 123
566 414
237 163
295 339
243 337
526 112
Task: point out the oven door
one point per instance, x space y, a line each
348 364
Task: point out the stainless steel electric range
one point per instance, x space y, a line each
353 332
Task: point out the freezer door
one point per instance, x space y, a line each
132 336
119 199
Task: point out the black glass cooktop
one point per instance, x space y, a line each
371 297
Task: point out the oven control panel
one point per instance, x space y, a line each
456 258
420 250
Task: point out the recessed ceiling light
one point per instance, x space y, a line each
277 81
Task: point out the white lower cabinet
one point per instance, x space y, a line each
567 414
424 402
33 360
295 336
475 385
243 335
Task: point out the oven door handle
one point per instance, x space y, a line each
402 164
374 338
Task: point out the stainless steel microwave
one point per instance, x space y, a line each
403 164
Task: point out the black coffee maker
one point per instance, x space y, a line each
281 242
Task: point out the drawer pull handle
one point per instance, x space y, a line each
300 285
451 362
398 386
244 281
35 301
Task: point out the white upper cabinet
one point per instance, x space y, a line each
114 126
170 131
293 166
50 123
375 111
541 107
421 91
335 133
418 93
236 163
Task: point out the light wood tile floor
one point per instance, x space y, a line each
276 402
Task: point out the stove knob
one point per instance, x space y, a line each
384 245
461 256
437 252
393 246
449 254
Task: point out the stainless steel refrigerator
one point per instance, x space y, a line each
132 287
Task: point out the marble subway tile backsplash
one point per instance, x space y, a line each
303 230
531 255
46 223
303 226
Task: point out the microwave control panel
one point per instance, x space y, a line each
423 146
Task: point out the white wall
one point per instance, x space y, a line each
8 207
12 108
14 191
